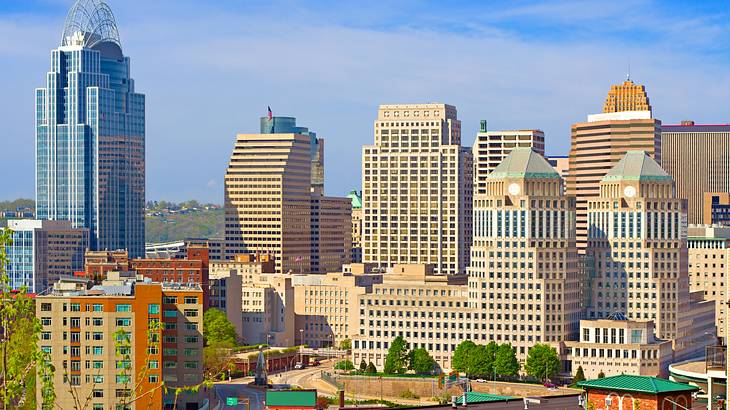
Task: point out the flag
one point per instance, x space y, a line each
270 115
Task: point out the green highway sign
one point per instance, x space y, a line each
231 401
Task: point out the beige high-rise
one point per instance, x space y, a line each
523 279
600 142
698 158
417 189
273 205
707 248
637 243
492 147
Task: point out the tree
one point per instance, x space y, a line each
420 361
397 359
371 369
579 375
344 365
601 375
346 344
542 361
460 358
217 359
217 328
363 366
480 362
22 359
505 360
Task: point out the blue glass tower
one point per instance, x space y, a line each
90 134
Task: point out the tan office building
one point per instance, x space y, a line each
523 279
698 158
429 311
417 189
616 345
274 206
637 243
707 248
326 306
599 143
492 147
79 326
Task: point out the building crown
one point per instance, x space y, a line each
626 97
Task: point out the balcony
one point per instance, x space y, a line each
716 358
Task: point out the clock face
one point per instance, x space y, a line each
630 191
513 189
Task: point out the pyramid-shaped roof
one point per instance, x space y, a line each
523 162
637 166
633 383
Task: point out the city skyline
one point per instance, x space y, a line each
481 72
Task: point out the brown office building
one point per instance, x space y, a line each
599 143
698 158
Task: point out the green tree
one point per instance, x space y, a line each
460 358
601 375
344 365
22 360
505 360
397 359
480 362
371 369
579 375
542 361
363 366
420 361
217 328
346 344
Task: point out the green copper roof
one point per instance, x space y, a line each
473 397
642 384
637 166
291 398
523 162
356 199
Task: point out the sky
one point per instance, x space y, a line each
209 69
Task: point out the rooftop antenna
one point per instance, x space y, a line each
628 73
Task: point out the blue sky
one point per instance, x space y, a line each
209 69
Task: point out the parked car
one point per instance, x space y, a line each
299 366
315 362
550 385
480 381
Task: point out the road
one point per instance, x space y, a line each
240 388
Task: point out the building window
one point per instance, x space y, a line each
191 300
191 365
153 309
124 321
124 308
76 307
97 393
170 313
191 312
123 378
98 307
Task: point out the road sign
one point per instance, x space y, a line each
231 401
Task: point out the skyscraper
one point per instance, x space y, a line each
492 147
637 243
599 143
523 278
417 189
698 158
90 134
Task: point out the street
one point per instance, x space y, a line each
240 388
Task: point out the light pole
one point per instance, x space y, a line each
301 345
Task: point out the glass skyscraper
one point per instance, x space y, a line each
90 134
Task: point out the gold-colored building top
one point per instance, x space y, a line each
626 97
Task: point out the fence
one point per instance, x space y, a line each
332 380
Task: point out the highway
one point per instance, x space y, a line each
240 388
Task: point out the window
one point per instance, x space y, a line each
97 321
190 352
123 364
46 321
153 309
191 312
98 406
124 337
45 307
97 393
170 365
45 335
124 321
153 364
98 364
96 336
122 378
98 350
98 307
124 308
191 300
169 352
170 313
76 307
191 339
123 350
170 300
98 378
153 378
191 365
191 326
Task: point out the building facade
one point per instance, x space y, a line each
492 147
427 310
523 280
637 242
599 143
356 198
326 306
417 189
90 134
331 233
44 251
616 345
697 157
716 208
119 341
707 251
